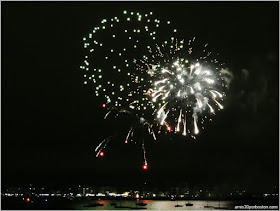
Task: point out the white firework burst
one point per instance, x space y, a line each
138 65
183 87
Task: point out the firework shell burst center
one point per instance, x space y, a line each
141 66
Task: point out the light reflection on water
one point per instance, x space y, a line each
153 205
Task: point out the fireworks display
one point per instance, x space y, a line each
139 65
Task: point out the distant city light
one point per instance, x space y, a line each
103 105
101 154
28 199
137 196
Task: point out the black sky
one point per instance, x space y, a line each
51 122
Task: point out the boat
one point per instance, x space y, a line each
141 204
208 206
189 204
178 205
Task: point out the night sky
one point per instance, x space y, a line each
52 122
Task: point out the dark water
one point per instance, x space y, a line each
156 205
80 204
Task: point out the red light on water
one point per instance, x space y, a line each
137 196
145 167
101 154
103 105
126 141
28 199
168 128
